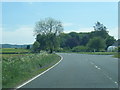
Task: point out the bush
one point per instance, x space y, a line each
80 49
119 49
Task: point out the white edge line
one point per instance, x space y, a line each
39 74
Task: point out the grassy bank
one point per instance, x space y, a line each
17 69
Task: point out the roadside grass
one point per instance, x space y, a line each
117 55
93 53
20 68
0 72
98 53
13 50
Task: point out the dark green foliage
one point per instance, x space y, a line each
119 49
42 40
28 47
103 34
110 41
50 36
36 47
84 38
71 42
63 39
96 43
52 42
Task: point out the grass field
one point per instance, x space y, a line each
13 50
17 68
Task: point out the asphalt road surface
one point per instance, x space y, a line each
80 71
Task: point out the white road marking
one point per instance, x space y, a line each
104 73
39 74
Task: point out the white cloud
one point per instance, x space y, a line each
80 30
114 32
23 35
0 34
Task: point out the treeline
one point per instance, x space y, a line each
92 41
50 37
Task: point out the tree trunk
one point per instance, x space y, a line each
51 51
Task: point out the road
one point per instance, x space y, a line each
80 71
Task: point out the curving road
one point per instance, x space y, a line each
80 71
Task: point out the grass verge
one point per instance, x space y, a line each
0 70
16 70
93 53
117 55
98 53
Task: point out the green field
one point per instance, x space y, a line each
17 68
13 50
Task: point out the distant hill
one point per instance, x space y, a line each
13 46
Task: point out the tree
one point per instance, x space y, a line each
47 26
103 34
99 27
42 40
52 42
100 31
63 38
110 41
28 47
84 40
96 44
71 42
48 31
119 49
36 47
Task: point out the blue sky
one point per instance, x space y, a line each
19 18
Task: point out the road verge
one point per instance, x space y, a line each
49 68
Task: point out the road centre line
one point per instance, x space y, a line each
104 73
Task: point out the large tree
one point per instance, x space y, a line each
48 31
96 43
99 31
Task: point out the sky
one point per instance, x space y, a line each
19 18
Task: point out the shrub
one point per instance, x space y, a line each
80 49
119 49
